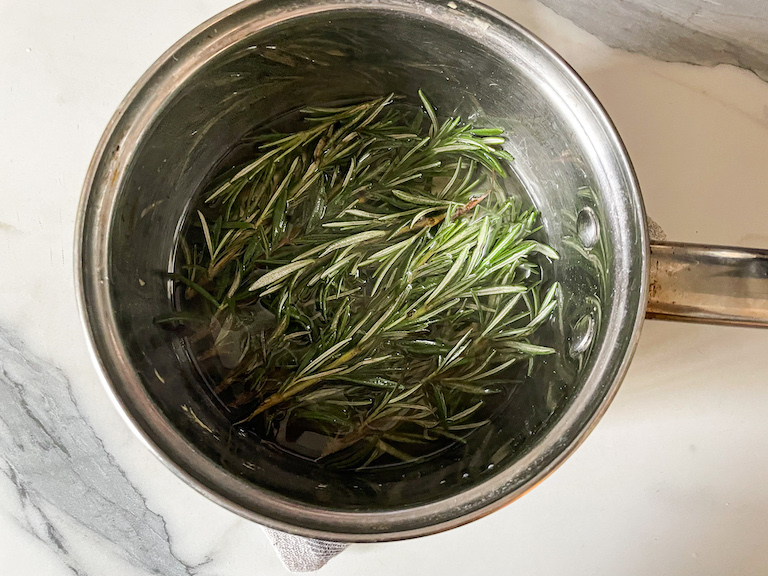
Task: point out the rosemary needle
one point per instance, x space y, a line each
366 278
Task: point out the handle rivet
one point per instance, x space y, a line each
587 227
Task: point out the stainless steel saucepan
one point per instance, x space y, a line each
262 59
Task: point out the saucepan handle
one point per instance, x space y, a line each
709 284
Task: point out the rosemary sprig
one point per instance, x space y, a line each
366 277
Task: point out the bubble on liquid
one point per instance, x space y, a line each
587 227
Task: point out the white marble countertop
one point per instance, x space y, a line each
674 480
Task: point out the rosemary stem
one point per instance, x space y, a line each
366 276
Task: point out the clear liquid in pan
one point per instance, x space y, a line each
215 353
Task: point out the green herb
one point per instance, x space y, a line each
367 278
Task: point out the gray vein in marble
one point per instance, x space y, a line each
55 461
703 32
